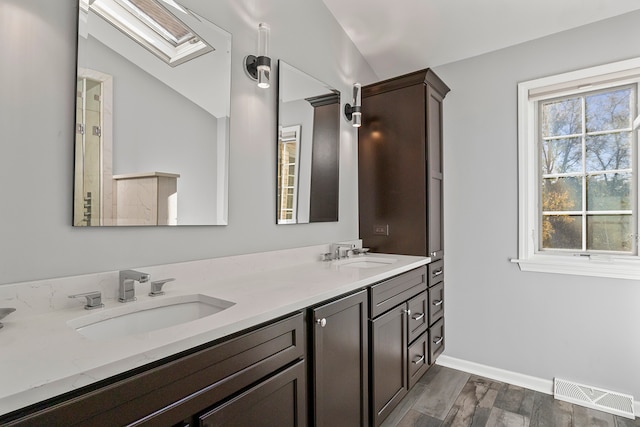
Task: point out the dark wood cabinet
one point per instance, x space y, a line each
400 171
364 353
339 361
399 339
274 402
178 390
400 198
388 362
435 244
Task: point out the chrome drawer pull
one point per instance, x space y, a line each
438 302
438 341
418 360
322 322
417 316
437 273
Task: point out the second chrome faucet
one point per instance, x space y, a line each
128 278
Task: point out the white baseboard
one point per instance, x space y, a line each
515 378
521 380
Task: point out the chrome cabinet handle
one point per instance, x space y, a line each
438 340
437 273
418 360
94 299
438 302
434 253
408 312
417 316
322 322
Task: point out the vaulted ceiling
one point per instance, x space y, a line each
400 36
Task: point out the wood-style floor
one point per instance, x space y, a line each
447 397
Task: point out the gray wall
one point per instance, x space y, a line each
37 85
579 328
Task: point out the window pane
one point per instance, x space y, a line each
609 232
608 152
562 194
609 192
562 155
562 232
608 111
562 117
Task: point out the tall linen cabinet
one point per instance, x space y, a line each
400 208
400 165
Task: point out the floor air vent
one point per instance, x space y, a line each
595 398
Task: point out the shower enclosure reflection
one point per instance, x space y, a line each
152 119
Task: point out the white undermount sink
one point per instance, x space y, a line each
146 316
366 261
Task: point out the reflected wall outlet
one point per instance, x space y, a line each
381 230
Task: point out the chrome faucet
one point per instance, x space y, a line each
127 279
337 249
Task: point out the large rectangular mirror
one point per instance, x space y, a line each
308 148
152 115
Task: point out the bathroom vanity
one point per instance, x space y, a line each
304 343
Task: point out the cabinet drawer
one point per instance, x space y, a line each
436 272
196 381
418 358
388 294
436 340
278 401
419 317
436 302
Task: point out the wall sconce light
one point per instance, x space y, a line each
353 113
259 67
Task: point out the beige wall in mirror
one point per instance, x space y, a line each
152 117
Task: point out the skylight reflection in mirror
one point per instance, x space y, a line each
154 27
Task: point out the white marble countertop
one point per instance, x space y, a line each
42 356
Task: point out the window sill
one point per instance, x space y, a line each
616 268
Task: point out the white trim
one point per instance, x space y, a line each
502 375
529 93
514 378
594 265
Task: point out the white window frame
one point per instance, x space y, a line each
529 94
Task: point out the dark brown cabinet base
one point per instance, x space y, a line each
365 352
178 391
388 362
275 402
339 360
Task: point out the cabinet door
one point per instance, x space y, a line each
435 242
389 362
340 362
391 172
278 401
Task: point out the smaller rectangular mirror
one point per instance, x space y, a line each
308 148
